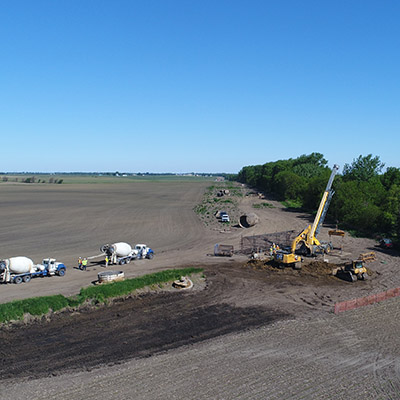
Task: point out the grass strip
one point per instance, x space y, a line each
115 289
16 309
296 204
263 205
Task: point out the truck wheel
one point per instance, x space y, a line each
61 272
121 262
150 256
27 278
18 279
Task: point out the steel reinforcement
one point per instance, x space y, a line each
365 301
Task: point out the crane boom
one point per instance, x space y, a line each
307 237
324 204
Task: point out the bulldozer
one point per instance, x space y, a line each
307 239
353 272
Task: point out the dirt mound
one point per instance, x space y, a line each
315 269
318 267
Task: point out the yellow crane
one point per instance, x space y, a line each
307 238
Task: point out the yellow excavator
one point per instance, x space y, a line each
307 239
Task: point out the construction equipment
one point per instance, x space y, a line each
122 253
143 251
117 251
309 244
353 272
386 243
283 259
22 269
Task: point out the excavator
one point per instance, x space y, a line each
307 239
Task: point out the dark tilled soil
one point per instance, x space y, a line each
237 296
135 327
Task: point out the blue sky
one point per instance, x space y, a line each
204 86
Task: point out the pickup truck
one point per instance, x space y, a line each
224 217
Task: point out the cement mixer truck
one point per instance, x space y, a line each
122 253
22 269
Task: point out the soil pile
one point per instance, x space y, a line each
314 269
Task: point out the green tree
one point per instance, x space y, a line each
315 188
288 185
316 159
391 177
363 168
391 210
356 205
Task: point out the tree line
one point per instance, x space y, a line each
366 200
31 179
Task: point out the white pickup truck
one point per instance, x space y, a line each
224 217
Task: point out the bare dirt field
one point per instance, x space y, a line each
247 332
69 221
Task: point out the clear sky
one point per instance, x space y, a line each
189 85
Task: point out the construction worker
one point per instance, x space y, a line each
106 261
84 264
80 262
271 251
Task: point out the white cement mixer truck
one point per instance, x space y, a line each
122 253
22 269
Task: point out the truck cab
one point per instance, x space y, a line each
53 267
143 251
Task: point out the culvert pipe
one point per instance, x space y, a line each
248 220
110 276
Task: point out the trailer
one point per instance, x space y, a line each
223 250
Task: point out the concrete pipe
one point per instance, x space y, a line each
109 276
248 220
